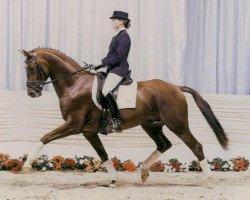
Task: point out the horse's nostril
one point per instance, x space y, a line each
32 94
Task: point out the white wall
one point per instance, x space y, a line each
204 44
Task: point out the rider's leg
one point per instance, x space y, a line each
114 112
110 83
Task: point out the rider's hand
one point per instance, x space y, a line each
97 67
101 68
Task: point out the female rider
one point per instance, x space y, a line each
116 63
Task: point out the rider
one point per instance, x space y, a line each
116 63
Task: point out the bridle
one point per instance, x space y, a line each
37 85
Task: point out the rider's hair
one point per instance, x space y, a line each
126 24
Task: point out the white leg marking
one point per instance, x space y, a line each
147 163
111 170
33 155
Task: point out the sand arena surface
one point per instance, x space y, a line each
159 186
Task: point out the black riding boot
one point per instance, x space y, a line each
114 112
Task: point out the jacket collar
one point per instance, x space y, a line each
118 34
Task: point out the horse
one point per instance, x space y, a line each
158 104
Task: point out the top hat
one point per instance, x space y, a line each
120 15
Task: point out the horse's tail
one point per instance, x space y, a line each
209 116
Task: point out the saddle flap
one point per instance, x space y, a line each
101 77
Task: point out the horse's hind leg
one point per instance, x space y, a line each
154 130
179 125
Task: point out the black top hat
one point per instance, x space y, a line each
120 15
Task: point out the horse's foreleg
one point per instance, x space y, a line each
96 143
68 128
155 132
32 155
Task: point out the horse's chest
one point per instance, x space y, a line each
65 107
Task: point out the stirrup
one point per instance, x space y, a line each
117 125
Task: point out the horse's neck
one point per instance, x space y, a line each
58 68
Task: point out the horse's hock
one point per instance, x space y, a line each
25 119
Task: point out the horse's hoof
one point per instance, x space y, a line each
144 175
113 184
26 170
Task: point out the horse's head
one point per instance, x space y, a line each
36 74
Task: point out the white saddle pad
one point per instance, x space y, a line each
126 97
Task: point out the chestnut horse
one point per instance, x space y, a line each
158 103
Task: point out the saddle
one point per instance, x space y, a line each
105 126
101 77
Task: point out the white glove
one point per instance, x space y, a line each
102 70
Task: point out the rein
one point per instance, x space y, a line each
41 75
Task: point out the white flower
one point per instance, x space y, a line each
185 167
44 169
51 165
225 165
168 168
80 161
212 167
231 165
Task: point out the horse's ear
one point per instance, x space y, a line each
25 53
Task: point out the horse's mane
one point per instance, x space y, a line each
57 52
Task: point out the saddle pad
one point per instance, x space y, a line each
126 97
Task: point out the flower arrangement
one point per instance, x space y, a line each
90 164
127 165
194 166
239 164
42 163
217 164
175 166
157 167
117 164
4 157
57 162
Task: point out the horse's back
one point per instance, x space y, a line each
159 87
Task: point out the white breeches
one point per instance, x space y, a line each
111 82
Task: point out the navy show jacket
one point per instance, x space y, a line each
116 59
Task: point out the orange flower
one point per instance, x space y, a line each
13 165
116 163
240 164
4 157
57 162
129 166
69 162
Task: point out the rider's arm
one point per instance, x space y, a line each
115 58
